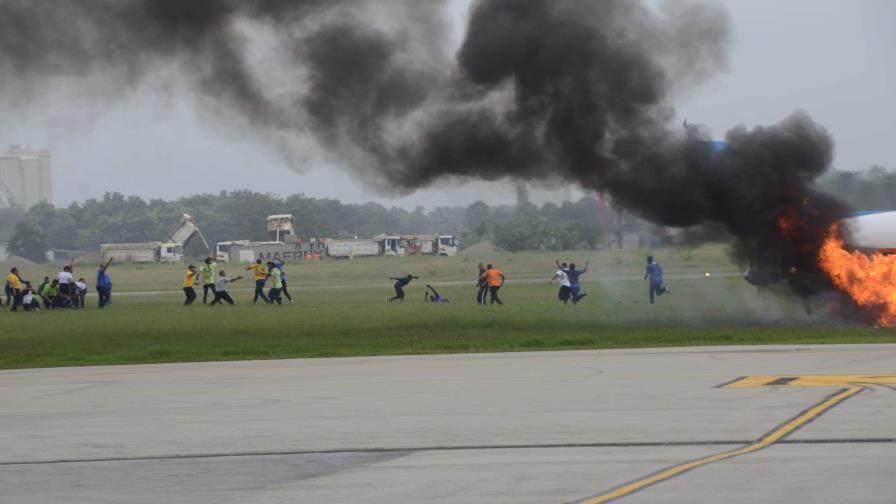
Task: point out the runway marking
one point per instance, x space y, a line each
772 437
835 380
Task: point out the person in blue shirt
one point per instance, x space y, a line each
400 284
575 289
654 274
104 284
279 265
435 297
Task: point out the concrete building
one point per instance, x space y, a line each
26 177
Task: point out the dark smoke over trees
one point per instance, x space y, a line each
579 91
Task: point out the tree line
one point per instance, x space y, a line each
238 215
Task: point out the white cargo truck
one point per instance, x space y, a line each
247 252
170 250
344 249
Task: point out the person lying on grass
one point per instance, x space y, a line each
435 297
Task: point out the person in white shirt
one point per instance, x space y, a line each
66 280
221 292
564 283
82 292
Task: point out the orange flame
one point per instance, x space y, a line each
869 280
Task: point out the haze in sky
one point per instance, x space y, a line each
830 58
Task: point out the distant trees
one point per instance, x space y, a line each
237 215
874 189
29 241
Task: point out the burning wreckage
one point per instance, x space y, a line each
574 90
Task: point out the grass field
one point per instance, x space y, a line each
340 310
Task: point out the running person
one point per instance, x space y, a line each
221 292
654 273
207 273
189 281
279 264
561 275
277 284
573 275
261 274
400 284
494 278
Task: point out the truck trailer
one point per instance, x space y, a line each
170 250
247 252
345 249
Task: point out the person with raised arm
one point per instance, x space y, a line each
104 284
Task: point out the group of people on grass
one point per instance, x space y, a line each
215 282
491 279
571 289
64 291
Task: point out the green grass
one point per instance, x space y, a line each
341 311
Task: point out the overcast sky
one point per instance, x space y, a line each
833 59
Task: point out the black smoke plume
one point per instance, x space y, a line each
578 91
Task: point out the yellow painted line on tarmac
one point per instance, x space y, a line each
767 440
835 380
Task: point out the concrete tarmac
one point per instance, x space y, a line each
550 427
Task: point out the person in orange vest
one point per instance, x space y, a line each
494 278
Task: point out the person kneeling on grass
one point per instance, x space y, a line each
189 282
276 277
221 292
30 300
51 295
435 297
400 284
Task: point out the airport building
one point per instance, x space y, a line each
26 177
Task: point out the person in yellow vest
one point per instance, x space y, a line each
15 286
189 282
261 274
